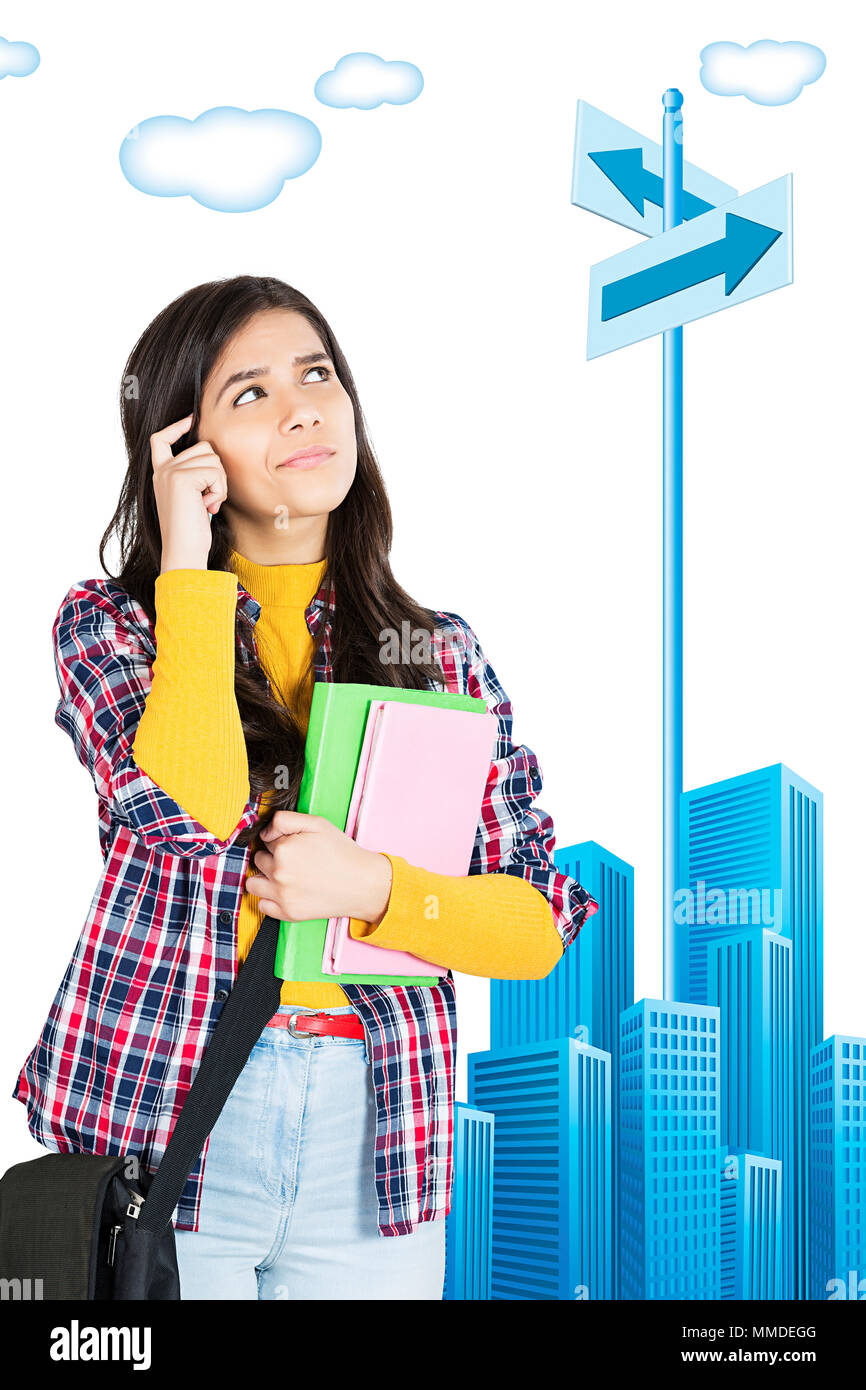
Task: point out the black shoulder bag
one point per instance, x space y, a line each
74 1226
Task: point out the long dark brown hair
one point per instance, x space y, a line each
163 380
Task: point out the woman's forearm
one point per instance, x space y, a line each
495 925
190 738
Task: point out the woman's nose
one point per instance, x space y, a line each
298 412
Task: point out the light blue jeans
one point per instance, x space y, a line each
288 1206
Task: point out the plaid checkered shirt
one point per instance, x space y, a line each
157 955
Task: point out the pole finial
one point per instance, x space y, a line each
673 99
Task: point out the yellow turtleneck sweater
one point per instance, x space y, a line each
190 741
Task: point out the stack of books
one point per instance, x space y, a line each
403 772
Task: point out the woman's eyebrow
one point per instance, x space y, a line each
304 359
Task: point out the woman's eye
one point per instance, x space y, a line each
247 392
326 370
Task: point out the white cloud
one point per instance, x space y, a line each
226 159
365 80
766 72
17 59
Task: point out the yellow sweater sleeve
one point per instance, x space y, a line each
495 925
190 737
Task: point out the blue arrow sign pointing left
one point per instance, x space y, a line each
721 258
625 170
618 174
733 255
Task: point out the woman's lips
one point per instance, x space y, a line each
308 460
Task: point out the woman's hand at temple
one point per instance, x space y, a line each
310 869
189 489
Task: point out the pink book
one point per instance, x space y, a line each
421 777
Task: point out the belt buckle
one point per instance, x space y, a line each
304 1032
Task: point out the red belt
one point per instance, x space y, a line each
335 1025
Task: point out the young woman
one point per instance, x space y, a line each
254 532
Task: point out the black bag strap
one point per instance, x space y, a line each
250 1005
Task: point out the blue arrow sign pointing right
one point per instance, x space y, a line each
721 258
733 255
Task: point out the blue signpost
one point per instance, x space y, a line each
672 550
708 250
723 257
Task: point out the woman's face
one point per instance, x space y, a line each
264 401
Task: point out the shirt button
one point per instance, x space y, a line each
226 917
222 995
535 775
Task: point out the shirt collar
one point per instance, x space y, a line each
251 608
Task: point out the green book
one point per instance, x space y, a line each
335 733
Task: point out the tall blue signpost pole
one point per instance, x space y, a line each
672 543
707 249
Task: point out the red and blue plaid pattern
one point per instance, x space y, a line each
157 956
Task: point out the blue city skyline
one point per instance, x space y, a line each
723 1133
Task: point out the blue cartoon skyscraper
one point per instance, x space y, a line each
469 1223
751 1224
669 1089
552 1233
751 853
591 985
750 979
838 1168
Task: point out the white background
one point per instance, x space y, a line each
439 240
